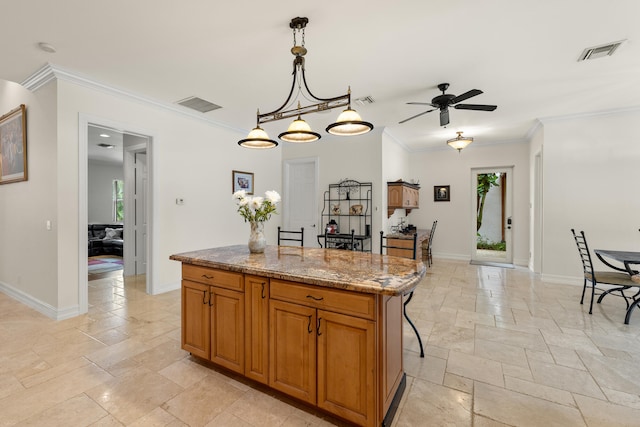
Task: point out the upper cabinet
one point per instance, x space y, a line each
402 195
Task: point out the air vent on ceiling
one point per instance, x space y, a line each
364 100
103 145
198 104
599 51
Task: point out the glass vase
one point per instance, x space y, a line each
257 242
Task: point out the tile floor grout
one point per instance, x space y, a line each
501 348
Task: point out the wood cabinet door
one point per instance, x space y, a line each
346 365
292 350
195 318
257 328
394 196
227 328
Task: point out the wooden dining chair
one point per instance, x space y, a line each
406 251
621 281
291 236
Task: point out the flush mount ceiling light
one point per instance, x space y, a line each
348 123
459 142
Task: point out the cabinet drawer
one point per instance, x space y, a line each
353 303
210 276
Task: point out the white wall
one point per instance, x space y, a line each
192 160
100 191
591 177
454 234
395 166
26 206
355 157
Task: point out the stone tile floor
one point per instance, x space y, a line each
502 348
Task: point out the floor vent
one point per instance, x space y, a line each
198 104
599 51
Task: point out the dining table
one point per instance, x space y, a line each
626 258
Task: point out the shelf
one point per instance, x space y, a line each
343 196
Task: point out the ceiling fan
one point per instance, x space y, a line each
442 103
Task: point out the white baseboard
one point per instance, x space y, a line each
165 288
563 280
40 306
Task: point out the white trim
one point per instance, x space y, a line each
40 306
563 280
50 72
84 120
166 288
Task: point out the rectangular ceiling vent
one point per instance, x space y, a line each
364 100
599 51
198 104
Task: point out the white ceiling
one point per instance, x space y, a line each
523 55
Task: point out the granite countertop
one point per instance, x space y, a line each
331 268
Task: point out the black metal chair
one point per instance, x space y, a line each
428 244
291 236
407 252
621 281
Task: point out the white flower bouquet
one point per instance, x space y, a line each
255 208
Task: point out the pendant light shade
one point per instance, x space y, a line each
459 142
349 123
257 138
299 132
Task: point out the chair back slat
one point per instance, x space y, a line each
583 250
291 236
384 244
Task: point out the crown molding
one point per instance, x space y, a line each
612 111
50 72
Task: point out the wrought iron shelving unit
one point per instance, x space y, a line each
349 204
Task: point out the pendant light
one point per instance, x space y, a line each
349 121
459 142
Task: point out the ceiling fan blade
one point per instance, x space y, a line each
420 103
417 115
444 117
466 95
478 107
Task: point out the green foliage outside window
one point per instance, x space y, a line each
118 200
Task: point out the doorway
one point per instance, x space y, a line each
135 142
492 218
300 180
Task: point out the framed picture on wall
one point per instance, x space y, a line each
13 146
242 181
441 193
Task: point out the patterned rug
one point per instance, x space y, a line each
105 265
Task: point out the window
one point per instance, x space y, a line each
118 200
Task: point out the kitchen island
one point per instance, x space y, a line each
321 325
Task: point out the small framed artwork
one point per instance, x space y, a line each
242 181
441 193
13 146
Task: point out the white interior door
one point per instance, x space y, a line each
493 241
300 199
141 217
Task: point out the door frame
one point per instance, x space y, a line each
129 194
508 213
286 180
84 121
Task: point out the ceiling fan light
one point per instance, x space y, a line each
349 123
257 139
299 132
459 142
